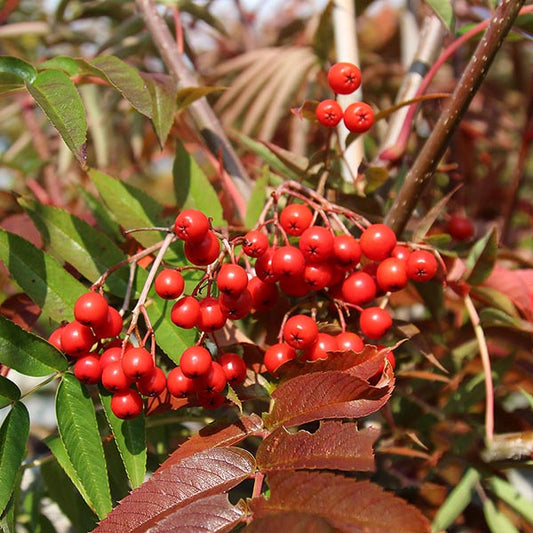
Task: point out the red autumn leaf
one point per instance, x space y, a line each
214 514
348 505
220 433
164 402
334 446
292 521
176 487
19 308
331 394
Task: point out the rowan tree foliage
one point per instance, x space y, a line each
275 273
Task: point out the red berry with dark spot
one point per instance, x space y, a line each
358 288
295 219
346 251
277 355
255 243
113 377
264 269
191 225
316 244
421 266
349 342
236 306
328 113
204 252
287 261
169 284
231 278
88 370
127 404
185 313
214 381
111 327
344 78
211 316
319 349
195 361
264 295
374 322
377 242
234 368
152 384
90 309
178 384
137 363
391 274
76 339
358 117
300 331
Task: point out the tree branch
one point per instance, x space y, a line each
425 164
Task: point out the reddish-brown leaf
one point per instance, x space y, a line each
334 446
292 521
217 434
332 394
178 486
214 514
348 505
19 308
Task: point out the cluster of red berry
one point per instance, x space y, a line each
345 78
319 268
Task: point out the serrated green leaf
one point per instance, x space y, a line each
257 199
192 188
40 276
15 71
13 436
506 492
130 439
104 218
78 430
57 96
444 10
9 392
27 353
482 257
67 496
75 242
189 95
456 501
497 521
170 338
163 94
67 64
127 80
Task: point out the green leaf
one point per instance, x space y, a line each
375 177
497 521
58 97
130 439
75 242
189 95
444 10
257 199
67 64
78 430
163 94
506 492
482 257
127 80
456 502
27 353
9 392
13 436
104 218
40 276
170 338
192 188
14 71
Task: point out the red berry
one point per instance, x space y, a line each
191 225
152 384
346 251
76 339
111 327
295 219
214 381
349 342
287 261
178 384
185 313
460 228
319 349
300 331
211 316
236 306
391 274
294 286
277 355
421 265
110 355
231 278
127 404
113 377
55 338
87 369
377 242
210 400
375 322
90 309
137 363
264 269
344 78
204 252
255 243
234 368
328 113
195 361
358 117
318 275
358 288
264 295
169 284
392 361
316 244
401 252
